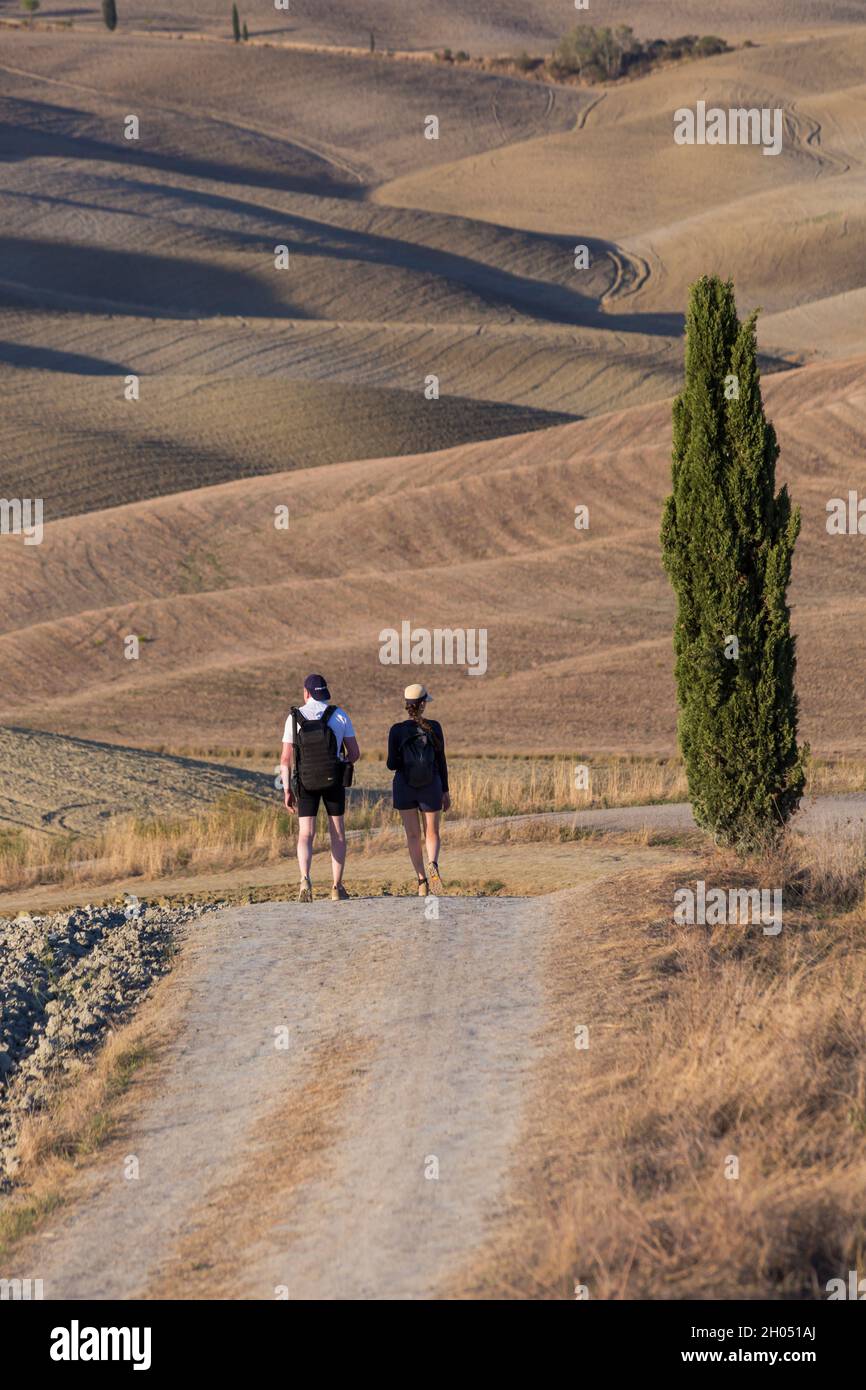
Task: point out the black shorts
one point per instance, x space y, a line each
334 799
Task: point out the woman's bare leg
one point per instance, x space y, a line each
412 826
431 827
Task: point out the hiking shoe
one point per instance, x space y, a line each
435 879
305 892
423 888
338 893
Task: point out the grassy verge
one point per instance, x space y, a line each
520 859
241 831
710 1142
87 1111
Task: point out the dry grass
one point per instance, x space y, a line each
550 784
829 775
89 1107
238 829
241 831
705 1044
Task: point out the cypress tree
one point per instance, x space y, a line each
109 14
246 32
236 24
728 540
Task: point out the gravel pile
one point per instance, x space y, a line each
65 980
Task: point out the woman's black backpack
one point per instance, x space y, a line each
418 756
316 751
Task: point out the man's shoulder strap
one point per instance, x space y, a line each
327 713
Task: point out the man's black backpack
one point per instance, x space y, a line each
418 755
316 752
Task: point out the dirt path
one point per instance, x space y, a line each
340 1105
260 1168
535 867
844 812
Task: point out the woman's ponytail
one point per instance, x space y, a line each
415 711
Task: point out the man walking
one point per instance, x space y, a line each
319 750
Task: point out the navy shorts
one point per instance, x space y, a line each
408 798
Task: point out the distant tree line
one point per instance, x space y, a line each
447 55
596 55
602 55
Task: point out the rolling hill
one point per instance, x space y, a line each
231 610
308 388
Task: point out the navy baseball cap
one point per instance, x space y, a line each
317 687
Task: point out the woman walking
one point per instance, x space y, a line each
416 756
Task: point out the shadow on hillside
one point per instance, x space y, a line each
49 132
51 360
548 301
43 131
66 277
544 300
117 466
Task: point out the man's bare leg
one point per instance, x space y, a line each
337 832
306 831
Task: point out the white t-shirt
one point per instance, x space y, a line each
339 721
